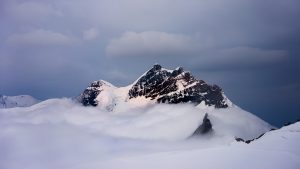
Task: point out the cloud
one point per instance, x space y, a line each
240 57
248 55
60 133
90 34
41 37
154 45
147 43
31 10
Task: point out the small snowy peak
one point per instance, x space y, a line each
90 94
17 101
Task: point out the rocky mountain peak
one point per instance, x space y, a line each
204 128
164 86
156 67
89 95
176 86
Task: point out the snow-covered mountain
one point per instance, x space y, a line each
160 86
157 85
17 101
134 127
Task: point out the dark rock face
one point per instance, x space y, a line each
151 84
89 95
204 128
176 86
249 141
239 139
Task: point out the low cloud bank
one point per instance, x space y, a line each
59 133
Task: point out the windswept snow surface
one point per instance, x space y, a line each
59 133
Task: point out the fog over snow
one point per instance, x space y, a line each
61 133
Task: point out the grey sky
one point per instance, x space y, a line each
251 48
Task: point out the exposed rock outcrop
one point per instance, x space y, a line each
89 95
177 86
204 128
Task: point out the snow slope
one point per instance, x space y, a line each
60 133
276 149
17 101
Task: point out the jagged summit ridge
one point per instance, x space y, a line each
162 86
177 86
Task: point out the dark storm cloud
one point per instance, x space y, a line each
250 48
161 45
